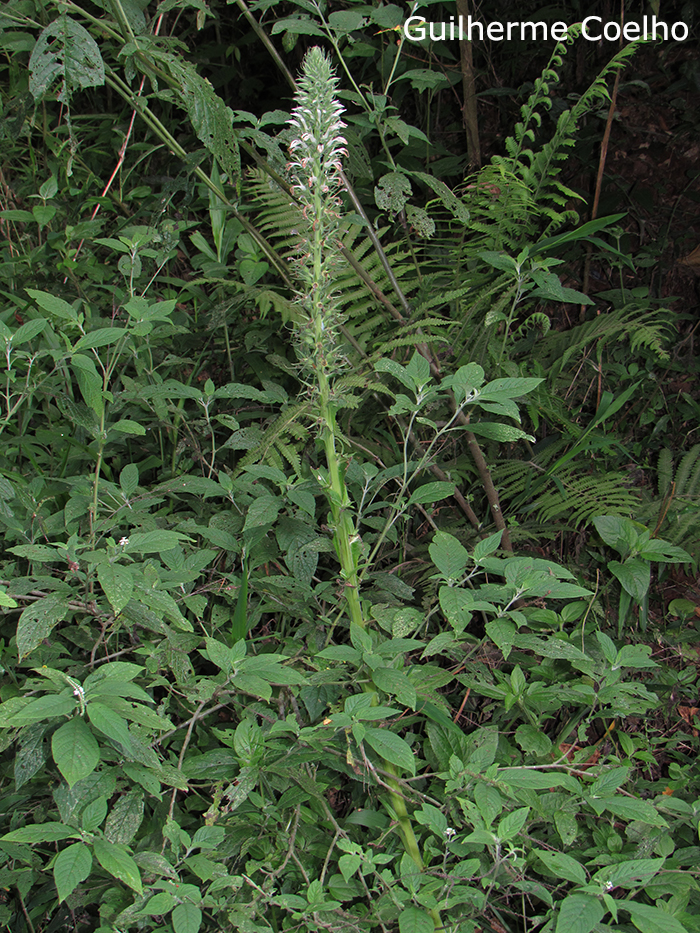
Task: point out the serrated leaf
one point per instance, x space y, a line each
46 707
102 337
72 865
563 866
152 542
449 556
52 304
579 913
431 492
28 331
506 433
110 724
66 52
348 864
186 918
263 511
391 747
630 808
37 622
458 606
397 684
431 816
41 553
512 823
117 862
41 832
413 920
125 818
650 919
117 583
126 426
75 750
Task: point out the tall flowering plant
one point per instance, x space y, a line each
315 169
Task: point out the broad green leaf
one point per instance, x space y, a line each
41 553
395 683
458 606
537 780
125 818
41 832
249 742
579 913
110 724
634 575
126 426
608 782
506 433
117 583
37 622
512 823
263 511
46 707
101 337
630 873
28 331
90 382
391 747
348 864
66 52
51 303
650 919
619 533
211 119
534 740
187 918
512 387
219 654
117 862
151 542
413 920
299 25
487 547
75 750
114 670
449 556
563 866
431 492
345 21
160 904
663 551
72 866
429 815
630 808
129 479
386 365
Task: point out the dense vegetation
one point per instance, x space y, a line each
349 473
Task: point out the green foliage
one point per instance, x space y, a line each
256 676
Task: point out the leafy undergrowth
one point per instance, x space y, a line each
258 672
196 739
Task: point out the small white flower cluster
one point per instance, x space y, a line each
318 145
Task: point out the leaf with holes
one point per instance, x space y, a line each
117 584
66 52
